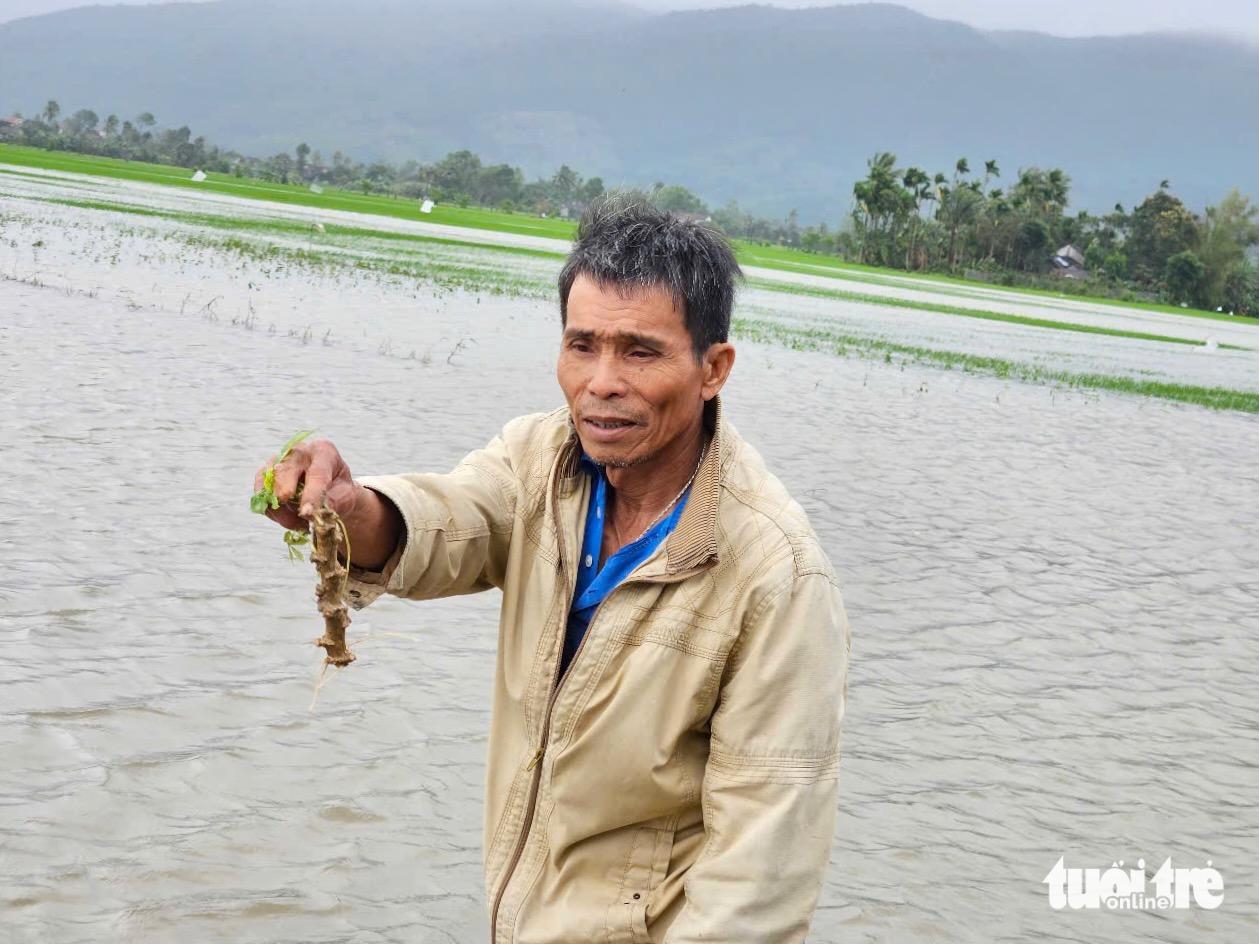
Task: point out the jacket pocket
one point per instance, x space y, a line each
645 867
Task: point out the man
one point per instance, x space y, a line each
673 650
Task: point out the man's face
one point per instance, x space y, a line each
628 371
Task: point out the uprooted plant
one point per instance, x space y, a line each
333 577
327 530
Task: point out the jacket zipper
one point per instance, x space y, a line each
535 762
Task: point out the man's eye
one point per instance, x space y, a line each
642 354
579 346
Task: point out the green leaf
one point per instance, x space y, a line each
265 498
288 446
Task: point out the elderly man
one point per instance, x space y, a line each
672 650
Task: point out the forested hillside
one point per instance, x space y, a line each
780 109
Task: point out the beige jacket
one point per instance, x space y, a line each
679 783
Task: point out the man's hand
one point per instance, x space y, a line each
313 473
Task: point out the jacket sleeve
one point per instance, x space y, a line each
457 529
771 784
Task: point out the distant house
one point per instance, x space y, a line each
692 217
1068 263
10 125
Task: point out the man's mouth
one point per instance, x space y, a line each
602 423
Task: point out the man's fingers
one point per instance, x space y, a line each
289 474
320 475
312 473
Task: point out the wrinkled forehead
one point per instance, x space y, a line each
636 290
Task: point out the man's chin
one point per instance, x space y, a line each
622 463
600 454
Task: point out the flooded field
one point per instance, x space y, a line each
1053 595
272 263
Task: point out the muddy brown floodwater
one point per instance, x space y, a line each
1054 598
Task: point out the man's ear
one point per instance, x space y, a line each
718 362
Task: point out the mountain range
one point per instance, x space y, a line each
778 108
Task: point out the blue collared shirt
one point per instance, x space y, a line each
595 582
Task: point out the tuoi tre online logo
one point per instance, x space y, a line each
1117 889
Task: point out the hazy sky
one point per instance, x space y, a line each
1239 18
1060 17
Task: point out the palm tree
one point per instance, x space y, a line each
916 181
959 208
881 202
566 181
1058 185
51 112
883 162
990 170
938 191
919 186
995 210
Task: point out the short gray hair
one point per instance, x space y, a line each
625 242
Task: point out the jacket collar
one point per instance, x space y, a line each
694 541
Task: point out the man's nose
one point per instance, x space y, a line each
608 378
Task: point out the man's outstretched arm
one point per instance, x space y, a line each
415 535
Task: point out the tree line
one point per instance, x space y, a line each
960 222
460 177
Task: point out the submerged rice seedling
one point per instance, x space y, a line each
327 530
829 341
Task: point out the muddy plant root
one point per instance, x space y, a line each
330 593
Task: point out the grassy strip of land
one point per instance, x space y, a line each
773 257
828 341
293 194
794 260
891 302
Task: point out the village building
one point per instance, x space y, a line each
1068 263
